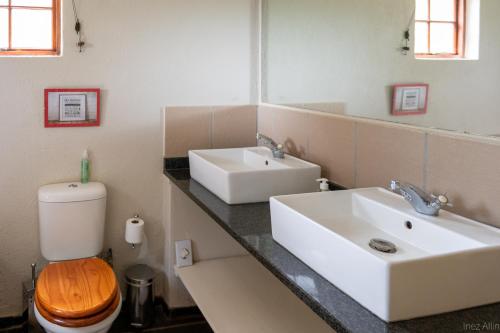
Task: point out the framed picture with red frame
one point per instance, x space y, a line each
72 107
409 99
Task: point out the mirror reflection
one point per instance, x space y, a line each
350 56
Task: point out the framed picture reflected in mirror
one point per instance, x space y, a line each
410 99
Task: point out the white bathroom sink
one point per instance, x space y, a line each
244 175
442 263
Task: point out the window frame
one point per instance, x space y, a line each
459 38
56 32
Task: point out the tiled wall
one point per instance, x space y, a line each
357 152
204 127
354 152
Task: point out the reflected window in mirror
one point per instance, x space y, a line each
440 28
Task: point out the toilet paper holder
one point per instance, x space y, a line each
134 238
136 216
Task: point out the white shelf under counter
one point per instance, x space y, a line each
238 294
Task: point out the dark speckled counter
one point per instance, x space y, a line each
250 225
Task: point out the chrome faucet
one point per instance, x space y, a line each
276 148
428 204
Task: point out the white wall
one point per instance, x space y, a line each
319 51
143 54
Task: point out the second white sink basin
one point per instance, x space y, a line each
441 264
245 175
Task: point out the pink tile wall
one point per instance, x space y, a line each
364 153
187 128
234 127
331 144
386 152
469 171
353 152
320 138
205 127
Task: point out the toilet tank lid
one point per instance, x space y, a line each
71 192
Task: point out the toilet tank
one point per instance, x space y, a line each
71 218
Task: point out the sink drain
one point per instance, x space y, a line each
382 245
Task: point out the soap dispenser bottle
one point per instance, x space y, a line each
324 186
84 168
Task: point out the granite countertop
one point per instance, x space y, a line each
250 225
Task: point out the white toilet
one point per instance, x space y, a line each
76 292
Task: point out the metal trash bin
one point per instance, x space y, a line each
139 302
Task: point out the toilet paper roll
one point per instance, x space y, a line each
134 230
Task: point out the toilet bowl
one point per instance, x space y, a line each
76 292
77 296
100 327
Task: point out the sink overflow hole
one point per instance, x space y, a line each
382 245
267 162
408 224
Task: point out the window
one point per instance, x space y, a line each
29 27
440 28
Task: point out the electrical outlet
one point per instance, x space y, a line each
183 253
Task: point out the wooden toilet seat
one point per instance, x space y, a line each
77 293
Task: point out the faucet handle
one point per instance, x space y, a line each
442 200
394 185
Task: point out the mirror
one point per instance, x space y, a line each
346 56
